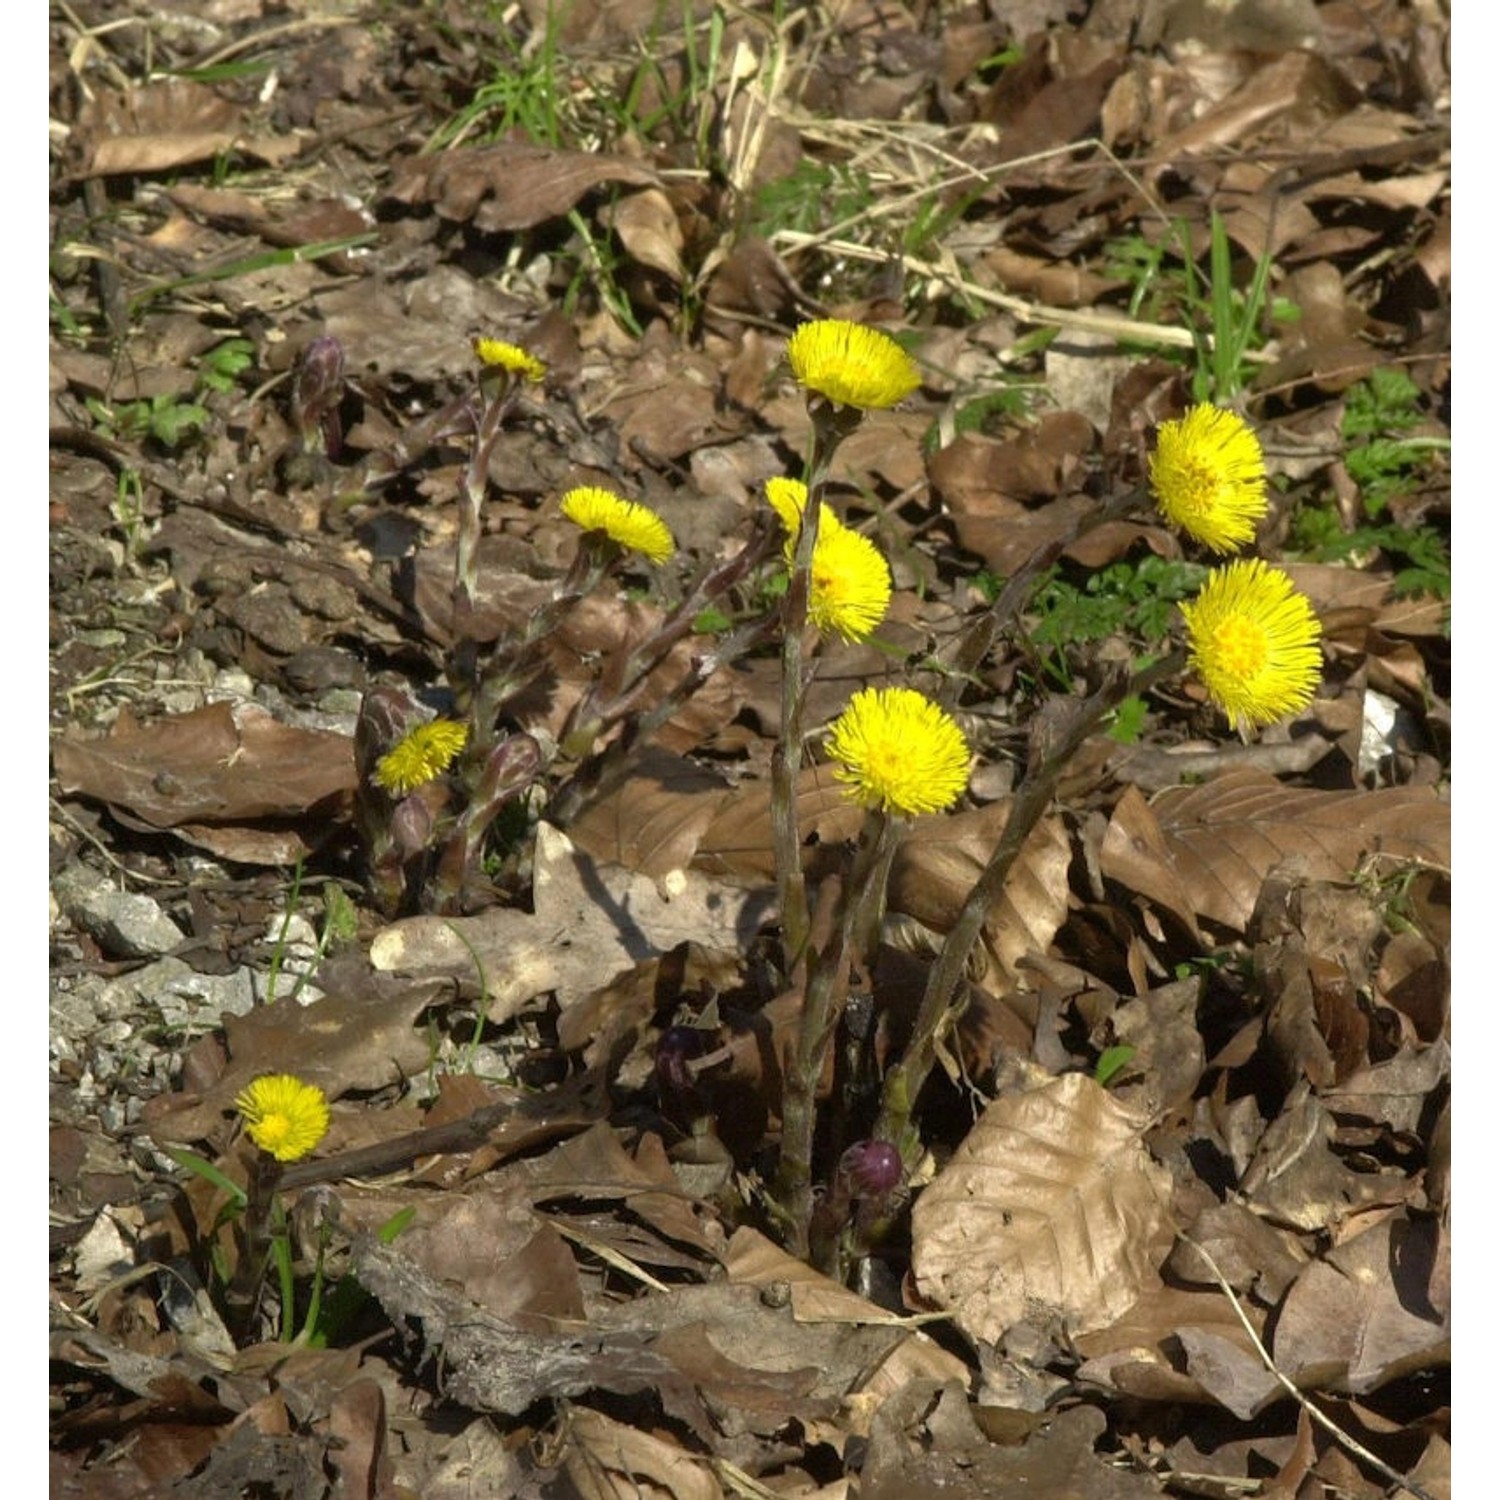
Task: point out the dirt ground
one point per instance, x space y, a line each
1209 1010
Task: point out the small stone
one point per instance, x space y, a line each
125 924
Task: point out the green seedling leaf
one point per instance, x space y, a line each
192 1162
1111 1061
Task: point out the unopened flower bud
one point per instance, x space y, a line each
411 826
317 390
871 1169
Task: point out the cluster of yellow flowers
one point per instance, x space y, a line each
1252 637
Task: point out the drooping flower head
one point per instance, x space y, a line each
849 587
1209 477
850 364
285 1117
1253 640
419 756
896 750
623 521
496 354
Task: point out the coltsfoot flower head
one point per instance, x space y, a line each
850 364
1209 477
497 354
1253 640
896 750
623 521
420 756
849 589
285 1117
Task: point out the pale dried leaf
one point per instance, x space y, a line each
1050 1209
590 922
940 860
606 1460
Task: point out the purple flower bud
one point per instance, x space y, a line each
411 826
679 1045
317 390
385 716
871 1169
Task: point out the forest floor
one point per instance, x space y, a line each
1172 1210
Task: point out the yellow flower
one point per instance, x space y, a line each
1209 477
850 364
285 1117
788 499
623 521
495 353
899 751
850 587
420 756
1253 640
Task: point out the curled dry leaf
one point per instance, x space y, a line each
605 1460
1050 1209
1214 845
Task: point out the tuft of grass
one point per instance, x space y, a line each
1225 321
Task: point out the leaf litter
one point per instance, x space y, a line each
1185 1157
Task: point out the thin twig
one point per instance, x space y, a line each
1325 1422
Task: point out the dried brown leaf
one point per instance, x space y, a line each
1050 1208
608 1460
648 228
218 764
941 859
1219 841
1360 1317
511 185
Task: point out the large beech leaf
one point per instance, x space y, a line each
1051 1208
1208 849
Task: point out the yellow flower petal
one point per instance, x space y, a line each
497 354
422 755
623 521
896 750
850 586
1209 477
1253 641
850 364
284 1116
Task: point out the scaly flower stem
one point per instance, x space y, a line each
464 678
830 425
243 1292
1052 747
823 1000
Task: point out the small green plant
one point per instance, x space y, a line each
1387 467
1225 321
1136 600
174 420
813 195
1112 1062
